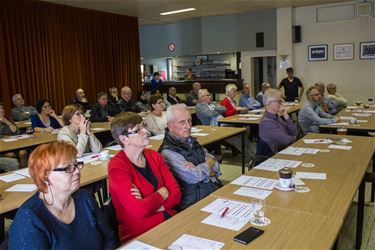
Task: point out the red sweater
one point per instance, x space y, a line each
230 110
136 216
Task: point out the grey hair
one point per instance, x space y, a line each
201 93
125 88
171 110
14 98
331 85
230 87
264 84
270 95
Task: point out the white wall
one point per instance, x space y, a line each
355 78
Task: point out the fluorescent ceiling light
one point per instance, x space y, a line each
176 11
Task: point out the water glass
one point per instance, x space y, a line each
259 218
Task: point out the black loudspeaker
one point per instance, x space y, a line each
296 34
259 40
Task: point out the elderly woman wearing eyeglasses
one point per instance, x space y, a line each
59 215
144 191
77 131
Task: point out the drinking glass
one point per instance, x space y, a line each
342 131
259 218
370 101
29 130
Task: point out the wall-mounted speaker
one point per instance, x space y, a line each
259 39
296 34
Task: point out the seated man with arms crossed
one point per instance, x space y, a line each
276 128
311 115
193 167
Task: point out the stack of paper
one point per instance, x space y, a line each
192 242
253 192
255 182
11 177
298 151
238 213
277 164
139 245
310 175
317 141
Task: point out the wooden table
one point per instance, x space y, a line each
241 119
299 220
23 124
356 128
288 230
41 138
215 134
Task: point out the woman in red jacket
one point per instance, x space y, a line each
144 191
229 103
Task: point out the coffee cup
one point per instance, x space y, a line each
285 179
104 155
342 131
366 106
358 103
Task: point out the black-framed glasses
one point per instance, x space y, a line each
71 167
138 128
278 101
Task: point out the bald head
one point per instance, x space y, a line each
80 93
126 93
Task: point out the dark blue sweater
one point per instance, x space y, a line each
34 227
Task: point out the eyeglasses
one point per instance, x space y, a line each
138 128
46 106
78 113
314 94
277 101
71 167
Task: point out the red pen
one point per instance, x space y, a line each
224 212
95 156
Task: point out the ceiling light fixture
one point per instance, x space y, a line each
176 11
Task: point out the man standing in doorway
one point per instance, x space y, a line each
291 85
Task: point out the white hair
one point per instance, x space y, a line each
201 93
172 109
230 87
14 98
270 95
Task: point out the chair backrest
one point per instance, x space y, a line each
258 159
110 214
264 149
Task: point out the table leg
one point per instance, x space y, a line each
360 212
2 228
105 190
373 182
243 151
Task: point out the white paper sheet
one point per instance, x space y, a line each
256 111
228 222
23 171
10 139
114 148
298 151
276 164
362 121
346 117
241 210
369 111
311 175
90 157
22 188
193 242
340 147
317 141
157 137
251 115
248 118
11 177
97 129
195 130
256 182
199 134
362 114
253 192
137 245
340 124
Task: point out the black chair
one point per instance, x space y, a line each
110 214
264 149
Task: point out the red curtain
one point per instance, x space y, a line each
47 51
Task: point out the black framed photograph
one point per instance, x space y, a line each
367 50
318 52
343 51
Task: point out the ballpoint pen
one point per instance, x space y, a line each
224 212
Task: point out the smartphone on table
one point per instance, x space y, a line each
248 235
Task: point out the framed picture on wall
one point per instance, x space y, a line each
367 50
343 51
318 52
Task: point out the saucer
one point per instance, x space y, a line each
279 187
308 165
265 223
301 189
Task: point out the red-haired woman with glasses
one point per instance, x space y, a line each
59 215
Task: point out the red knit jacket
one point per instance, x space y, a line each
230 110
136 216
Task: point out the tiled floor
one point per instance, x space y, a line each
231 169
